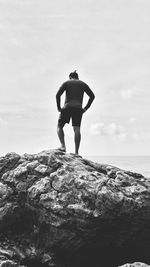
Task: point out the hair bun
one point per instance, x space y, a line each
74 75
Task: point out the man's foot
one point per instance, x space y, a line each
62 149
76 155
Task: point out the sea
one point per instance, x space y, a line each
139 164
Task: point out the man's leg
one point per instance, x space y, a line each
77 138
61 136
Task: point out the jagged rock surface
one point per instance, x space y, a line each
135 264
56 209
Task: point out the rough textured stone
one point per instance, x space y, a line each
57 209
135 264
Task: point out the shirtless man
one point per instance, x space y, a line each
74 89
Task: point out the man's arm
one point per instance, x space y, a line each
58 96
91 97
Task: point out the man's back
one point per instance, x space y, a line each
74 92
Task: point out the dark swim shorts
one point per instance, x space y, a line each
68 113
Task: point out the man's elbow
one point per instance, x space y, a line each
57 96
93 97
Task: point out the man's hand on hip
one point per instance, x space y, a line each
84 110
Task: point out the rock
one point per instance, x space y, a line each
57 209
135 264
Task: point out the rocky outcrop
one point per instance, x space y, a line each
135 264
57 209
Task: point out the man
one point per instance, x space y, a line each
74 89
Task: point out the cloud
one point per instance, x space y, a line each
132 120
141 136
3 122
111 129
120 132
130 92
16 42
97 128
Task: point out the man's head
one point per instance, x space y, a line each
73 75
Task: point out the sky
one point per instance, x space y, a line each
107 42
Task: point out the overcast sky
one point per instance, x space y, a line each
107 42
